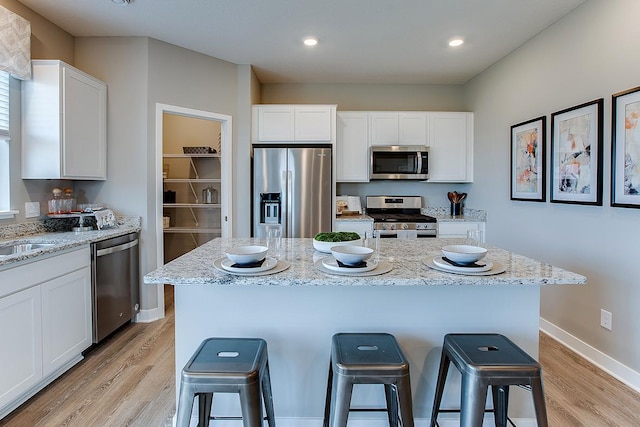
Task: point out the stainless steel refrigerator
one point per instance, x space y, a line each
292 187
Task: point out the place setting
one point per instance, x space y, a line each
250 261
468 260
355 260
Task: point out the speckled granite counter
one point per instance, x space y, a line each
36 232
441 214
298 310
196 267
444 215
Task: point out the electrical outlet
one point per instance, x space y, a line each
31 209
605 319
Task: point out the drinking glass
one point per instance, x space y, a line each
475 238
372 241
274 240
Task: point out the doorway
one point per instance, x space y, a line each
193 181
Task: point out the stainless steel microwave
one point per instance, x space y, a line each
399 162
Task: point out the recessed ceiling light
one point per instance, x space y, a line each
310 41
456 42
121 2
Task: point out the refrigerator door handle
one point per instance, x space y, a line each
289 203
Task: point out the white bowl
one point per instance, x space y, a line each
351 254
326 246
247 254
464 254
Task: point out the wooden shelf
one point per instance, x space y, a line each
191 230
187 156
193 180
192 205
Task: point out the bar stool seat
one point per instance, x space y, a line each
488 360
227 365
367 358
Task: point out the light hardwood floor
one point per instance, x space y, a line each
129 381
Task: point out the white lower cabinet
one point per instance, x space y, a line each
458 229
359 227
21 338
66 318
45 323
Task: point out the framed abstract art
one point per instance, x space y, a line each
528 168
576 154
625 149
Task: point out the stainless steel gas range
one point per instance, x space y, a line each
400 217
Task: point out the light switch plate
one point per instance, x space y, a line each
31 209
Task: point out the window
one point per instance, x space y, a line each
4 147
4 105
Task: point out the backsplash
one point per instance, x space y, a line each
53 225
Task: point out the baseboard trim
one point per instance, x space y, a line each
603 361
148 316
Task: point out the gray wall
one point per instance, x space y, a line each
591 53
141 72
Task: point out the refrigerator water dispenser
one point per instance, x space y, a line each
270 208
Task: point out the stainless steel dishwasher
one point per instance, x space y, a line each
115 280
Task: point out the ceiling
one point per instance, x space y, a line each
360 41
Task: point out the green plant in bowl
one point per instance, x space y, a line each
323 242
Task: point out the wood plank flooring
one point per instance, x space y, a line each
129 381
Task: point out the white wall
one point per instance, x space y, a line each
591 53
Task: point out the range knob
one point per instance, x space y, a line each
384 226
405 226
392 227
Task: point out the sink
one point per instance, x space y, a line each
19 248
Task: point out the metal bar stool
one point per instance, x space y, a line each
488 360
367 358
227 365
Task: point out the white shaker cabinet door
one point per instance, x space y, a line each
450 147
84 130
66 318
21 348
275 123
64 124
313 123
412 128
352 152
383 128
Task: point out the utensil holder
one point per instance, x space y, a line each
456 209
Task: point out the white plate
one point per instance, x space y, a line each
268 264
445 265
277 268
497 268
381 268
332 264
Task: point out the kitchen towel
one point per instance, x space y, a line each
105 219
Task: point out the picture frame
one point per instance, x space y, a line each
625 149
528 160
576 154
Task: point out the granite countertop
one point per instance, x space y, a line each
36 232
196 267
361 217
441 214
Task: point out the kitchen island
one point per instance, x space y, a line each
298 310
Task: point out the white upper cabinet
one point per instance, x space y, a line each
352 142
293 123
64 124
450 147
398 128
